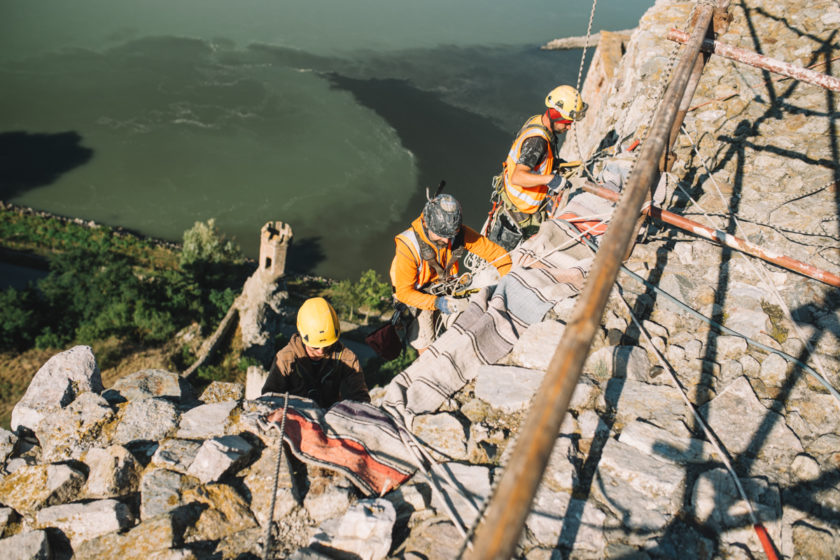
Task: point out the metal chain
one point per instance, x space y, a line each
280 452
574 131
664 81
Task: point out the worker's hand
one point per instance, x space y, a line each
449 304
557 183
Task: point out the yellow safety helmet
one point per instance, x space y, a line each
566 101
318 323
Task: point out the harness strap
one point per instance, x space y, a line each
428 254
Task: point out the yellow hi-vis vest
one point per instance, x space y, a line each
528 199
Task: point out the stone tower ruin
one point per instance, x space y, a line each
275 238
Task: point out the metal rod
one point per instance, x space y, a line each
724 238
498 534
760 61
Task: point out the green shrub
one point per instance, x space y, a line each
368 295
204 244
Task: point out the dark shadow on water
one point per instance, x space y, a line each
32 160
448 143
304 255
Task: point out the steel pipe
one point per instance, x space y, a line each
760 61
723 238
498 533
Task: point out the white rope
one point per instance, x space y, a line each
706 430
758 268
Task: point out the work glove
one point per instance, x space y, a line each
557 183
449 304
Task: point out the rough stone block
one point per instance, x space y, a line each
146 419
7 444
59 381
226 513
259 480
759 432
32 545
363 531
31 488
176 454
161 492
113 472
65 433
206 421
471 489
82 522
675 445
529 351
618 361
641 490
507 388
443 433
219 391
139 543
218 456
152 383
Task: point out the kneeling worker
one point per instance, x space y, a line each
427 254
314 363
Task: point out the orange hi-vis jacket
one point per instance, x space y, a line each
410 272
528 199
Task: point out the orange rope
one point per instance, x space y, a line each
766 543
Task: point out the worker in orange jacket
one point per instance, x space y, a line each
427 254
530 169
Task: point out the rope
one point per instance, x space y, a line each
760 271
726 330
280 454
584 165
761 532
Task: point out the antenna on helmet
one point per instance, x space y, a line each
437 191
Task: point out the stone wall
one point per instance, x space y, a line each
149 469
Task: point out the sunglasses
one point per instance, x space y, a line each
556 115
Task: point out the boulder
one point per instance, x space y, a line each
32 545
140 543
507 388
759 432
113 472
149 419
442 432
65 433
152 383
59 381
556 518
82 522
31 488
631 362
176 454
675 445
7 515
716 504
640 489
224 512
259 480
219 455
327 498
529 351
439 540
7 444
206 421
364 531
219 391
161 492
470 490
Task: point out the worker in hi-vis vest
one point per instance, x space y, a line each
530 170
427 254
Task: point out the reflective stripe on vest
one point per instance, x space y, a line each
528 200
409 237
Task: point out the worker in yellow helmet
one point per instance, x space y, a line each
530 169
314 363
